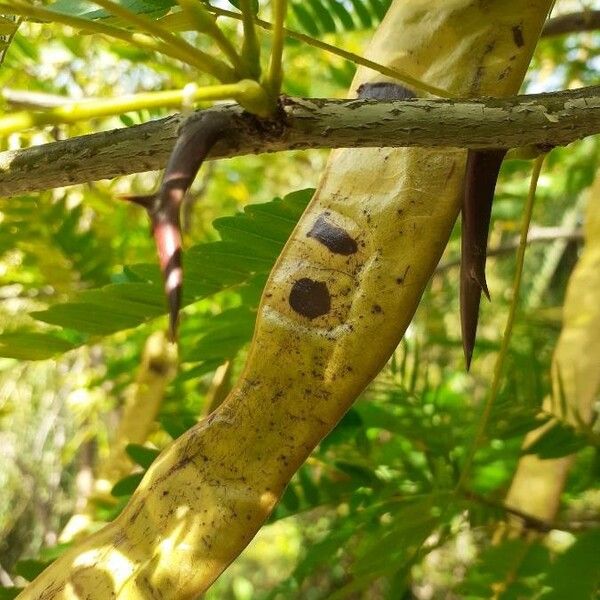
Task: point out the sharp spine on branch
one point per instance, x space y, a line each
195 141
481 176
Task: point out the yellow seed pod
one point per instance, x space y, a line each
336 305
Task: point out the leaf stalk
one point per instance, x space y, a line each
275 75
247 92
205 23
250 46
201 60
139 40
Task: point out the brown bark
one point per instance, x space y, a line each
586 20
546 119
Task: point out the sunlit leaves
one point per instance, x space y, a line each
89 10
250 243
32 345
318 17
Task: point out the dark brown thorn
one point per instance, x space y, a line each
481 175
148 202
196 139
482 283
167 236
174 302
470 297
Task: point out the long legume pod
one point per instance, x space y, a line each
336 305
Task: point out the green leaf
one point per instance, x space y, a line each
127 485
309 489
290 499
126 120
322 15
363 13
141 455
8 29
255 5
316 17
576 573
305 19
32 345
30 568
10 593
342 14
176 425
251 242
225 335
380 7
89 10
558 440
197 371
409 524
361 475
94 318
319 554
348 426
53 552
492 568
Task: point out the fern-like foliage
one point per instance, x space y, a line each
8 28
250 243
88 10
318 17
52 249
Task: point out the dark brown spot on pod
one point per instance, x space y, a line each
517 32
333 237
310 298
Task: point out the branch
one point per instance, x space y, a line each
535 235
32 100
552 119
587 20
531 521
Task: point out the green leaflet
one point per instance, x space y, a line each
8 29
89 10
576 572
30 568
318 17
127 485
250 243
223 336
32 346
142 455
255 6
561 439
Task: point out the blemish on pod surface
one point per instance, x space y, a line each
337 239
310 298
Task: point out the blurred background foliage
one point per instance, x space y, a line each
375 512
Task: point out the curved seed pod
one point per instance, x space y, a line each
480 182
193 145
331 314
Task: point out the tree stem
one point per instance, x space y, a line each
546 119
